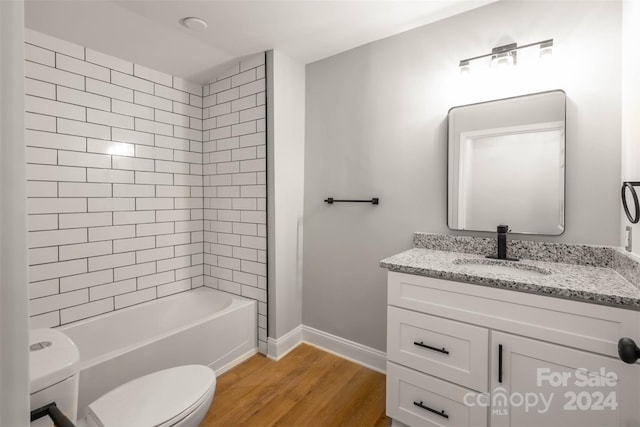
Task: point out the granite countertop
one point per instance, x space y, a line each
597 285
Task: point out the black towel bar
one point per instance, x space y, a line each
373 201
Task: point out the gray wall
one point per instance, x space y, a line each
630 108
376 126
285 198
14 357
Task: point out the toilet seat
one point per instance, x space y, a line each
160 399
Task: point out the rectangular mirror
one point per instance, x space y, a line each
507 164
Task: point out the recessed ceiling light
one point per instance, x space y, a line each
194 23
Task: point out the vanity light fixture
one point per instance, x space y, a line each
506 56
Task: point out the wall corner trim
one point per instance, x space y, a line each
277 348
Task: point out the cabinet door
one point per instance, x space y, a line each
534 384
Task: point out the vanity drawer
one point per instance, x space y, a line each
590 327
418 400
451 350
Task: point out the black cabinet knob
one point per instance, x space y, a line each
628 350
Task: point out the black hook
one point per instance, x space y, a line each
630 185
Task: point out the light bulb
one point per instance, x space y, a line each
465 68
546 51
502 61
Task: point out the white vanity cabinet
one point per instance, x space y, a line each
466 355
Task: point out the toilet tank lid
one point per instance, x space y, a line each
158 399
53 357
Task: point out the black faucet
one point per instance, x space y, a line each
502 241
502 244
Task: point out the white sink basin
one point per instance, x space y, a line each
498 267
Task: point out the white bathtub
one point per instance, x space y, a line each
201 326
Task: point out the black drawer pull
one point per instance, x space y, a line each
421 405
439 350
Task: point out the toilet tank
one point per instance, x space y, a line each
53 370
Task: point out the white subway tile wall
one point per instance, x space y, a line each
234 184
139 187
114 182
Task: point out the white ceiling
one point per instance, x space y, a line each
149 32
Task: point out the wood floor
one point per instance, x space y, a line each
307 387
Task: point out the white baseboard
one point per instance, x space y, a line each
358 353
341 347
278 348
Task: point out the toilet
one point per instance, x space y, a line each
174 397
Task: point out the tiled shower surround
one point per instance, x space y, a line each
234 169
126 202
